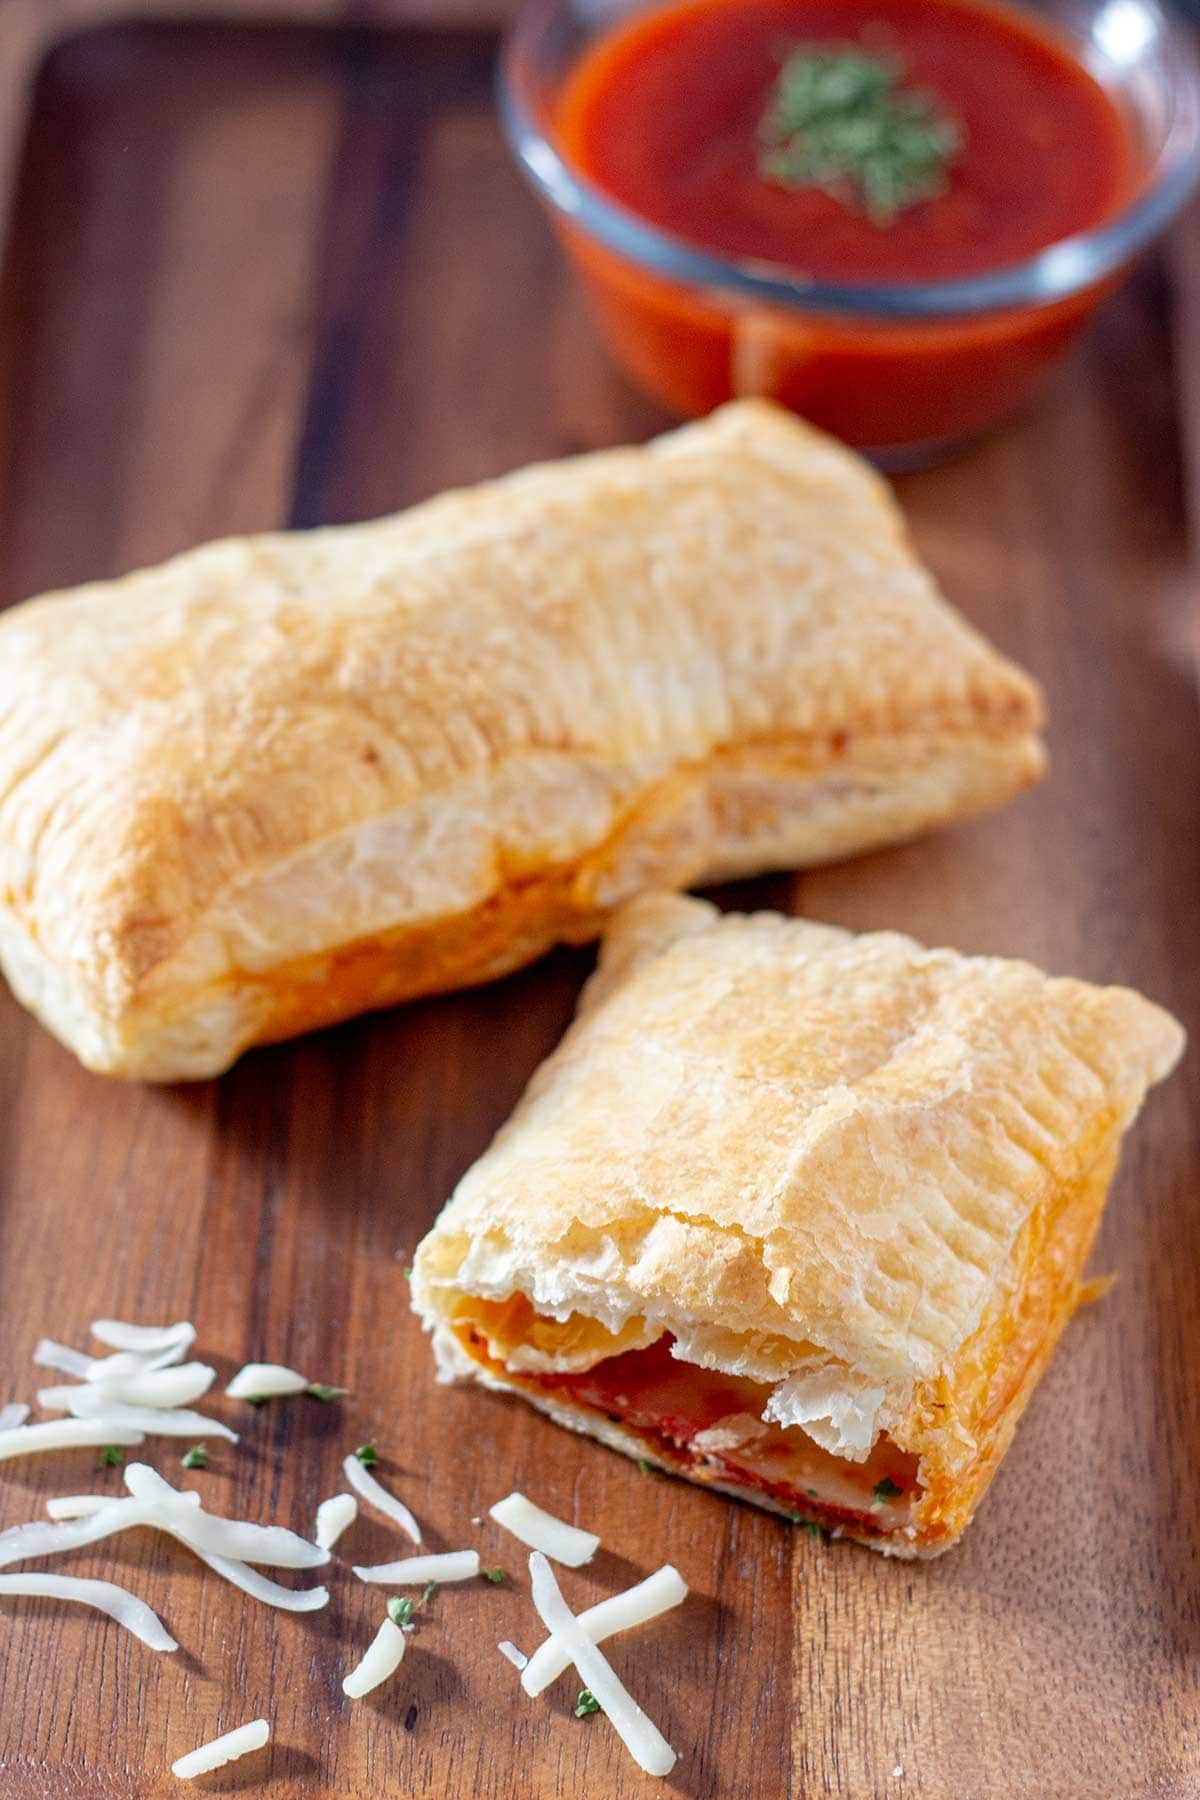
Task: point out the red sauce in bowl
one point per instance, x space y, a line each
662 113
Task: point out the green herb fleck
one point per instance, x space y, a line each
256 1400
812 1493
586 1703
887 1489
400 1611
494 1575
111 1457
367 1455
196 1458
840 119
320 1390
408 1273
812 1528
646 1468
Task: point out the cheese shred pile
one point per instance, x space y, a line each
143 1388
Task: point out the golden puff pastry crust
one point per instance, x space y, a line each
849 1183
283 779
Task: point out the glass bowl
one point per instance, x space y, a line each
904 370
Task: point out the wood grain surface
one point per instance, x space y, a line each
259 277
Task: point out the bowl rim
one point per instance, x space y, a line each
1067 267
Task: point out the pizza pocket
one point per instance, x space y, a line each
796 1214
285 779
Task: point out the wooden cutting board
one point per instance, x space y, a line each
262 277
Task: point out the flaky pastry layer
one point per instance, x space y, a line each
284 779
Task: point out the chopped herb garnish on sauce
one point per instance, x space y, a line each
887 1489
367 1455
586 1703
840 118
111 1457
646 1468
320 1390
494 1575
196 1457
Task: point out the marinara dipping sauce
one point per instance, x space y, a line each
724 124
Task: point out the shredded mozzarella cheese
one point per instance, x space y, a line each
274 1545
641 1737
143 1340
155 1421
540 1530
334 1516
154 1502
381 1659
49 1355
105 1596
636 1606
516 1657
240 1575
261 1381
79 1506
147 1484
123 1363
257 1585
83 1519
376 1495
162 1388
76 1506
15 1413
41 1537
222 1750
454 1565
63 1434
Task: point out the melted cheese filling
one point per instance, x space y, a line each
709 1426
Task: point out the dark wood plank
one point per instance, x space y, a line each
1053 1653
269 277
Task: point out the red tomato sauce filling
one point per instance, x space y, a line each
669 1404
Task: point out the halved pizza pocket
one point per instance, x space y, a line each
795 1213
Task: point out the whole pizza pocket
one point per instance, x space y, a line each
797 1214
285 779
